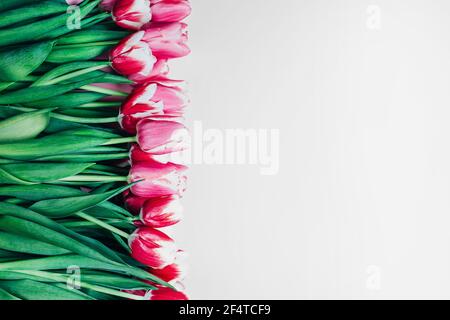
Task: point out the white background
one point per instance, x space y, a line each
360 206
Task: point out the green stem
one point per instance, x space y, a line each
87 224
120 141
103 224
63 279
94 178
100 105
105 91
73 75
84 120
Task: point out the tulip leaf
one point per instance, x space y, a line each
40 28
24 173
35 10
65 55
63 207
66 100
31 94
20 212
38 232
62 142
16 243
17 63
24 126
34 290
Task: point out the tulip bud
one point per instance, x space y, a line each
133 203
150 100
107 5
161 212
167 40
166 294
174 272
131 14
133 57
158 179
162 137
152 247
170 10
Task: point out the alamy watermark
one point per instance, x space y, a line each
237 146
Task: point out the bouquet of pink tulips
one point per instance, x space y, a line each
86 111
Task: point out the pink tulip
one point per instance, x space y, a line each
107 5
158 179
133 57
166 294
131 14
161 293
74 2
152 247
174 272
162 136
167 40
170 10
161 212
148 100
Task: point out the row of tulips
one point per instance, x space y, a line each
86 116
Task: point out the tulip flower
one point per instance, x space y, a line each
131 14
175 272
166 294
149 100
161 212
107 5
74 2
152 247
162 136
133 57
170 10
158 179
167 40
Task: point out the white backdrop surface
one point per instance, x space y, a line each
360 207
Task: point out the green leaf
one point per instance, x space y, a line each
24 173
35 231
86 36
5 295
34 290
24 126
63 262
67 100
12 4
35 10
16 243
42 27
31 94
20 212
17 63
63 207
38 192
